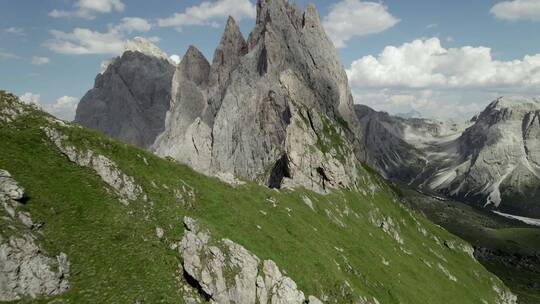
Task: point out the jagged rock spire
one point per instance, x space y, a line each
227 55
226 58
193 67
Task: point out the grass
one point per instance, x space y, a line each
116 257
509 241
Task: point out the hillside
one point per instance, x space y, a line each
117 213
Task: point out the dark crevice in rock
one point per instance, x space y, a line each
196 285
262 65
311 122
324 177
286 115
279 171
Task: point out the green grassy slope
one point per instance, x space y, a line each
511 248
336 250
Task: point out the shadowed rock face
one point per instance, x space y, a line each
130 98
282 95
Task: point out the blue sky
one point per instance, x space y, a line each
447 60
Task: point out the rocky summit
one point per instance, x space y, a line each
276 108
131 95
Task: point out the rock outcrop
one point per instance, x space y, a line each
276 109
124 185
131 97
226 272
25 269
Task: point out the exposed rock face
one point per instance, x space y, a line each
10 187
495 162
226 272
11 107
124 185
498 161
186 137
274 109
397 147
25 270
131 97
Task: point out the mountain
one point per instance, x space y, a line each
493 163
398 148
87 219
131 96
276 108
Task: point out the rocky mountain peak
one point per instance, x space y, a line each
227 55
130 96
276 109
142 45
194 67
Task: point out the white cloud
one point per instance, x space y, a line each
85 41
424 63
210 13
440 82
64 107
7 55
350 18
30 97
133 24
36 60
175 58
517 10
15 31
88 9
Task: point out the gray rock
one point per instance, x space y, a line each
26 271
227 56
10 187
131 97
228 273
186 137
124 185
278 111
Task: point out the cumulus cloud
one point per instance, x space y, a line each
133 24
85 41
175 58
350 18
14 30
424 63
88 9
7 55
64 107
210 14
440 82
31 98
517 10
36 60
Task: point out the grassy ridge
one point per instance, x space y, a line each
335 250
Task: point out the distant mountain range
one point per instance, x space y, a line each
492 161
